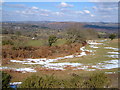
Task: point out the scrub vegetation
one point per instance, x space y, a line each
98 80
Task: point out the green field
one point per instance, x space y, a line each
98 57
35 43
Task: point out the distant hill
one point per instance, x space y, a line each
100 26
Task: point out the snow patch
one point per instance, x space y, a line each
107 65
15 83
92 46
116 49
82 49
23 70
103 40
5 68
86 68
113 52
113 56
104 65
17 61
61 65
109 72
94 43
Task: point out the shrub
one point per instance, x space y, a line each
51 82
28 48
52 39
7 42
40 82
76 81
5 80
65 84
112 36
99 80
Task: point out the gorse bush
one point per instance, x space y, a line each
112 36
76 81
5 80
99 80
28 48
40 82
7 42
52 39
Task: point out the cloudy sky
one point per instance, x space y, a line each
60 11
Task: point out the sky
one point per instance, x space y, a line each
60 11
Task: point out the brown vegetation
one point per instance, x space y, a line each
38 52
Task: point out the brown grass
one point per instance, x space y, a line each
39 52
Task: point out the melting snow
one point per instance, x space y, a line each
82 49
24 70
109 72
5 68
62 64
17 61
70 56
83 54
15 83
102 40
113 56
92 46
107 65
116 49
86 68
113 52
94 43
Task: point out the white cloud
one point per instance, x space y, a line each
1 1
64 5
86 11
43 14
100 12
33 11
92 15
106 9
58 13
44 10
79 12
35 7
